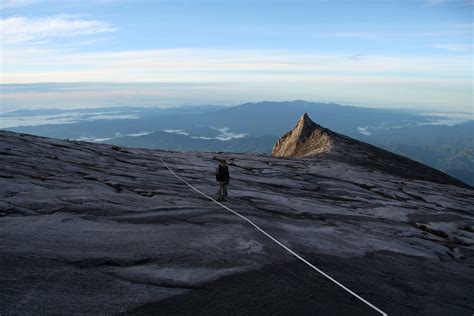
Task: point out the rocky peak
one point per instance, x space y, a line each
305 139
308 139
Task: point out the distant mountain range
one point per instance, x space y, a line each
254 127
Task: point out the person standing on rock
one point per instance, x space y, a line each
222 178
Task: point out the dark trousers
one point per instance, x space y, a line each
222 193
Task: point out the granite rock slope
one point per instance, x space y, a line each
308 139
305 139
99 229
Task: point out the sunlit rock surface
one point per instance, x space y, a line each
98 229
305 139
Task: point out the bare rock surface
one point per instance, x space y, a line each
308 139
97 229
305 139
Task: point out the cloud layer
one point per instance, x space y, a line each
274 54
456 47
15 30
219 65
11 4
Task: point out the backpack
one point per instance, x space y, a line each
222 174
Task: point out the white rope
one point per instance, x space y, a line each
279 243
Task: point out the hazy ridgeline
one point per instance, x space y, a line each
436 140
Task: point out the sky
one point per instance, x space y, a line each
379 53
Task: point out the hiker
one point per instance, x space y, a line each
222 177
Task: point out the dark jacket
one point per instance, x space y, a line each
222 174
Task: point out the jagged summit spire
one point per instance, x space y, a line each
305 139
306 122
305 119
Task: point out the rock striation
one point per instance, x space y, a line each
305 139
99 229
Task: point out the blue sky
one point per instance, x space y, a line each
405 54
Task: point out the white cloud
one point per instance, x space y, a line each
242 75
176 131
16 30
11 4
455 47
199 65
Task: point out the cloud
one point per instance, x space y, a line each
12 4
176 131
18 30
26 64
356 57
455 47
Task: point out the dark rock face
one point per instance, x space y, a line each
98 229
